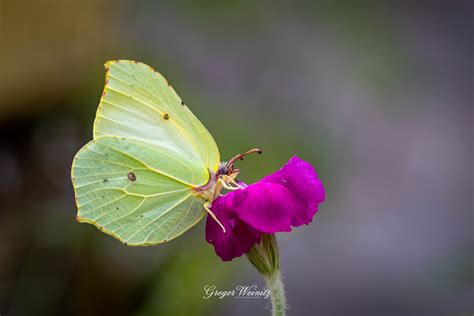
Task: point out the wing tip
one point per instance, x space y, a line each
118 61
113 62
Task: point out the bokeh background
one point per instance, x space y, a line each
376 95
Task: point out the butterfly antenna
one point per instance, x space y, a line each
232 161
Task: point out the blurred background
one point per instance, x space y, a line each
377 96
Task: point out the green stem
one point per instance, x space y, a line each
265 258
275 285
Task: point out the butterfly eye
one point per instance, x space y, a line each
223 169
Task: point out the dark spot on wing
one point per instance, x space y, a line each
131 176
105 180
166 116
182 103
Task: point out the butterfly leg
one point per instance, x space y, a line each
228 187
207 208
232 181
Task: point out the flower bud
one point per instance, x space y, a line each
264 256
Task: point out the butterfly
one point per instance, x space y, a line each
152 167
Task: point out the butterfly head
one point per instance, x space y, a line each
223 168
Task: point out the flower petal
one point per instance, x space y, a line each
239 236
301 179
267 207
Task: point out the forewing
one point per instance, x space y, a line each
138 103
135 191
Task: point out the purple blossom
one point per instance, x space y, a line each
286 198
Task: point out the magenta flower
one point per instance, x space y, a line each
286 198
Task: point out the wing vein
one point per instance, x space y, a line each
98 181
102 205
123 216
159 98
179 223
150 168
160 216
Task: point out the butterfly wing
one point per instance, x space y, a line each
135 191
138 103
136 179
